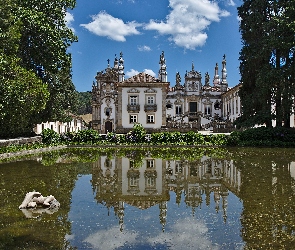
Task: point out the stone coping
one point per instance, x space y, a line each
20 140
29 152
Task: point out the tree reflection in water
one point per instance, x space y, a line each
155 199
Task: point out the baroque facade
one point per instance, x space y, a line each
118 182
118 103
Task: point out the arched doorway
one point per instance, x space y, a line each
108 126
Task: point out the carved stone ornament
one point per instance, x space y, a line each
150 91
193 98
193 86
108 101
133 90
178 100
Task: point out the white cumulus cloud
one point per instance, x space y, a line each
149 72
69 18
134 72
101 240
144 48
186 234
187 22
131 73
231 3
113 28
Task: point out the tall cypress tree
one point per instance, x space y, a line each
267 60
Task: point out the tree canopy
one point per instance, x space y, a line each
267 62
35 66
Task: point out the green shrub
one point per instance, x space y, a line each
49 136
234 138
262 136
87 136
193 138
216 140
111 137
139 133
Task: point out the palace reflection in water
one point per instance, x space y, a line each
120 181
226 199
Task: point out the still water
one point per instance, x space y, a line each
151 199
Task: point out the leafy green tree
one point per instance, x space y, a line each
35 66
45 39
267 61
22 93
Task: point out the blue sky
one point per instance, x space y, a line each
188 31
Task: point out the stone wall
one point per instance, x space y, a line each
19 141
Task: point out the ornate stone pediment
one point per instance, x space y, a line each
193 98
150 91
142 77
133 90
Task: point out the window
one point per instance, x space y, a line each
107 112
133 100
150 99
151 182
233 109
237 107
133 118
207 110
150 163
178 167
150 119
178 109
133 182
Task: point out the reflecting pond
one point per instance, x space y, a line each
163 198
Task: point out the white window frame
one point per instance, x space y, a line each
150 119
150 163
133 100
133 119
133 182
150 99
178 109
207 109
151 181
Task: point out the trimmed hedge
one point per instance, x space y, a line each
137 136
261 137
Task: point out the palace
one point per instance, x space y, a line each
118 103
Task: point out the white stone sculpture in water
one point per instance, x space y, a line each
36 204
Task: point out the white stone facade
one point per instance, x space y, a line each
61 127
118 103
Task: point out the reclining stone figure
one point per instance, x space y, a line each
35 203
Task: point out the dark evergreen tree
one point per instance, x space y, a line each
267 62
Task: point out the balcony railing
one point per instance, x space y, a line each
150 107
133 108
